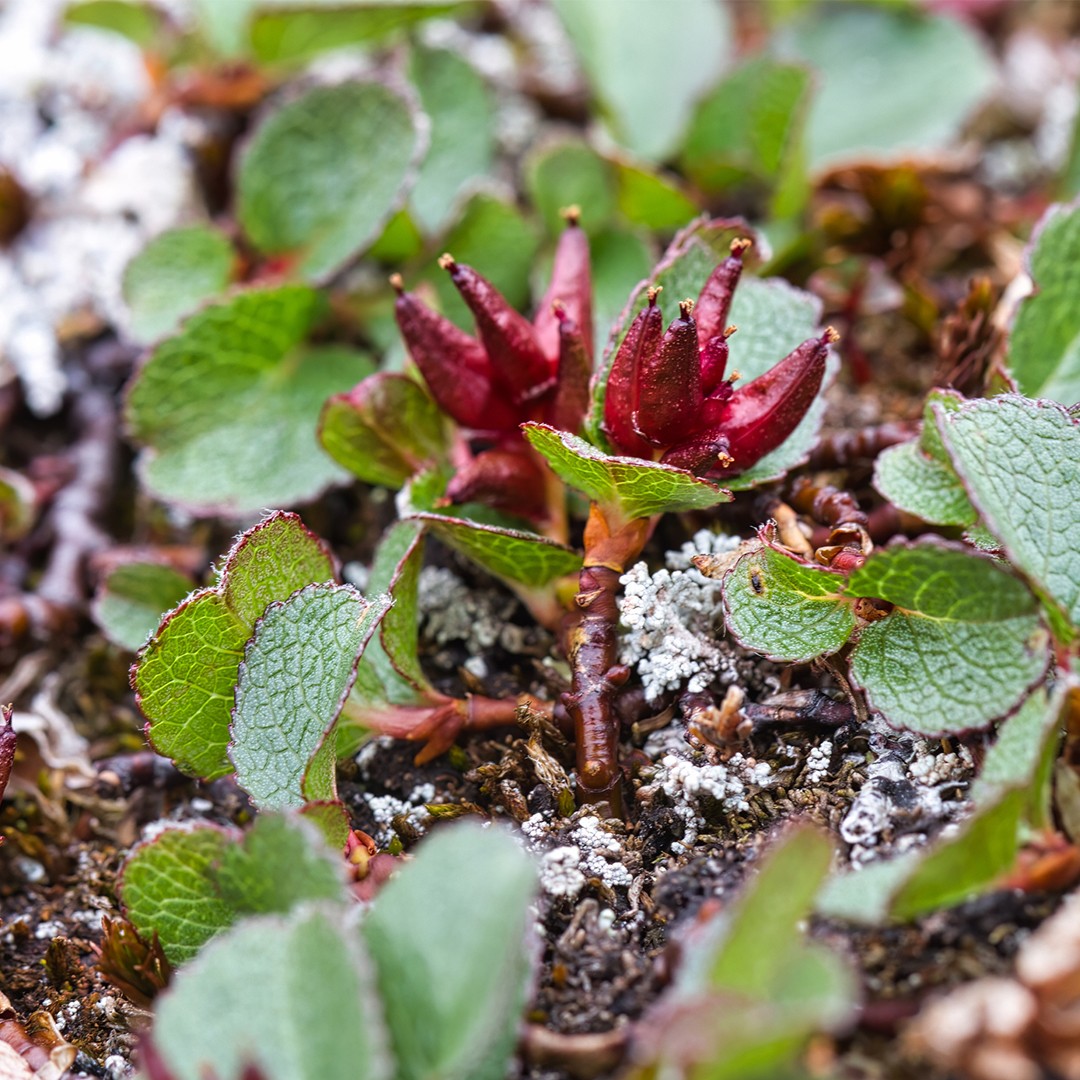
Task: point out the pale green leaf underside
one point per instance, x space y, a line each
292 996
633 487
964 643
172 276
919 485
1020 462
297 671
133 598
453 972
227 408
784 609
1044 345
185 677
525 558
323 174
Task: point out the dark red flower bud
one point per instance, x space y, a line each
571 285
714 303
509 478
575 366
454 365
761 415
668 384
699 455
518 365
642 340
714 358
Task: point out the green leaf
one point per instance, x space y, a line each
651 199
281 863
132 599
322 175
166 887
384 430
306 28
1020 463
227 408
525 558
172 276
765 930
462 114
293 997
746 127
139 22
892 83
627 55
189 884
18 505
568 172
625 487
784 609
185 677
1044 345
392 655
919 485
298 668
453 976
962 645
493 236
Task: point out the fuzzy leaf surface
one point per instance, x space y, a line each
784 609
963 644
918 477
185 677
462 114
928 73
172 276
1020 462
190 884
453 986
322 175
227 408
296 674
635 488
527 558
626 58
1044 345
132 599
384 432
292 996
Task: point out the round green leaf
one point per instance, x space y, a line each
322 175
569 172
962 646
227 409
785 609
132 599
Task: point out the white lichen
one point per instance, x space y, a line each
672 623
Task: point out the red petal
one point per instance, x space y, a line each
572 389
571 285
642 340
714 303
668 384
